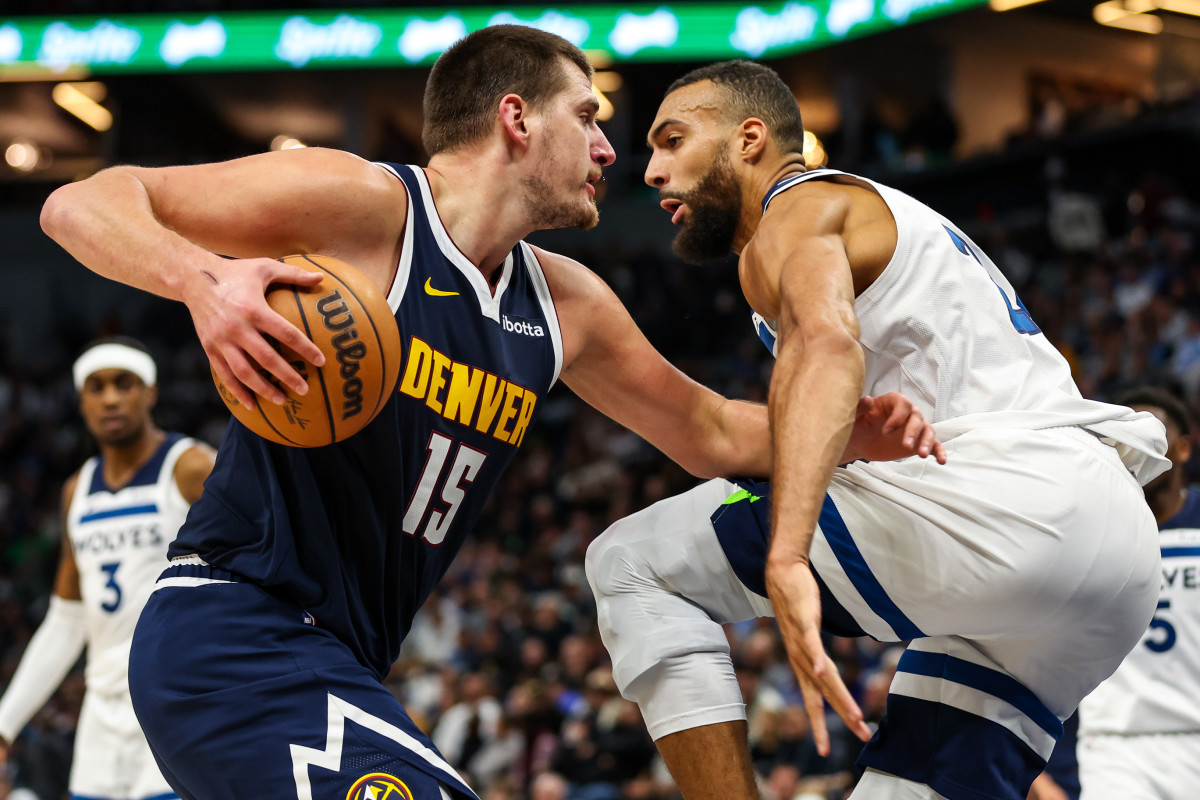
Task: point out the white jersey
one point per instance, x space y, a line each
120 543
944 326
1157 687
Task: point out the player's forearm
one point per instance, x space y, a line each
53 650
107 222
814 393
741 443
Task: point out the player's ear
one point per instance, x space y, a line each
514 117
1184 446
751 139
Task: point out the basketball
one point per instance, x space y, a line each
348 317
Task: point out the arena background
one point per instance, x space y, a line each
1066 147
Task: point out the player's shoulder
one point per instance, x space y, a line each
192 469
68 488
569 280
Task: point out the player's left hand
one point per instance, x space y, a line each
796 600
890 427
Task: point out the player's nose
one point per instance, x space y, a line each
602 151
656 174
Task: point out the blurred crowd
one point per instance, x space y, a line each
504 666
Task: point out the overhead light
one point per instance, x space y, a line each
1128 15
1190 7
285 142
814 151
608 80
606 110
83 100
1009 5
23 156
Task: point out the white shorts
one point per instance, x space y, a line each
112 759
1139 767
1022 571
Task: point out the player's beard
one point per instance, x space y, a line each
545 211
549 214
713 210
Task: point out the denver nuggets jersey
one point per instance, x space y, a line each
944 326
357 533
119 539
1157 687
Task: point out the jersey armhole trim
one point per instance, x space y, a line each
395 292
542 287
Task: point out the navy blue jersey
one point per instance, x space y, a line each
358 533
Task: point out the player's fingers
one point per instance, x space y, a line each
939 452
273 362
245 372
900 409
865 406
814 705
288 273
927 441
230 381
289 335
834 690
914 426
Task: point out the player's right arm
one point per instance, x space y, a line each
159 229
52 650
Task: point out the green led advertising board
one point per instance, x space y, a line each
229 42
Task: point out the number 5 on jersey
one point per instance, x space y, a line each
462 473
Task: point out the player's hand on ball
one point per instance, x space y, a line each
890 427
227 300
796 600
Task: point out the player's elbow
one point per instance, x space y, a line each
56 211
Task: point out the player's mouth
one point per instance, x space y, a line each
675 207
592 180
113 423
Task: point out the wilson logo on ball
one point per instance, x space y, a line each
348 317
350 350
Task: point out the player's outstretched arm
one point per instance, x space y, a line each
54 648
609 363
160 230
796 270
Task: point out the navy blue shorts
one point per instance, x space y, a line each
242 696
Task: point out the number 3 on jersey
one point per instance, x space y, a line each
462 473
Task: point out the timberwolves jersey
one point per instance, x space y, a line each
1157 687
357 533
119 538
943 325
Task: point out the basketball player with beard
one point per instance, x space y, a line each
120 512
1021 573
256 666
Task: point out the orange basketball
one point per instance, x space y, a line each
347 316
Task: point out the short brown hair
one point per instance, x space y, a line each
468 81
754 90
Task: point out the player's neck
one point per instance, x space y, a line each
755 190
481 210
121 462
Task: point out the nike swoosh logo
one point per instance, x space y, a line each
436 292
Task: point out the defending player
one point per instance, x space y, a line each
257 663
1139 731
1022 572
120 512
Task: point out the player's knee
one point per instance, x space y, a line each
611 564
